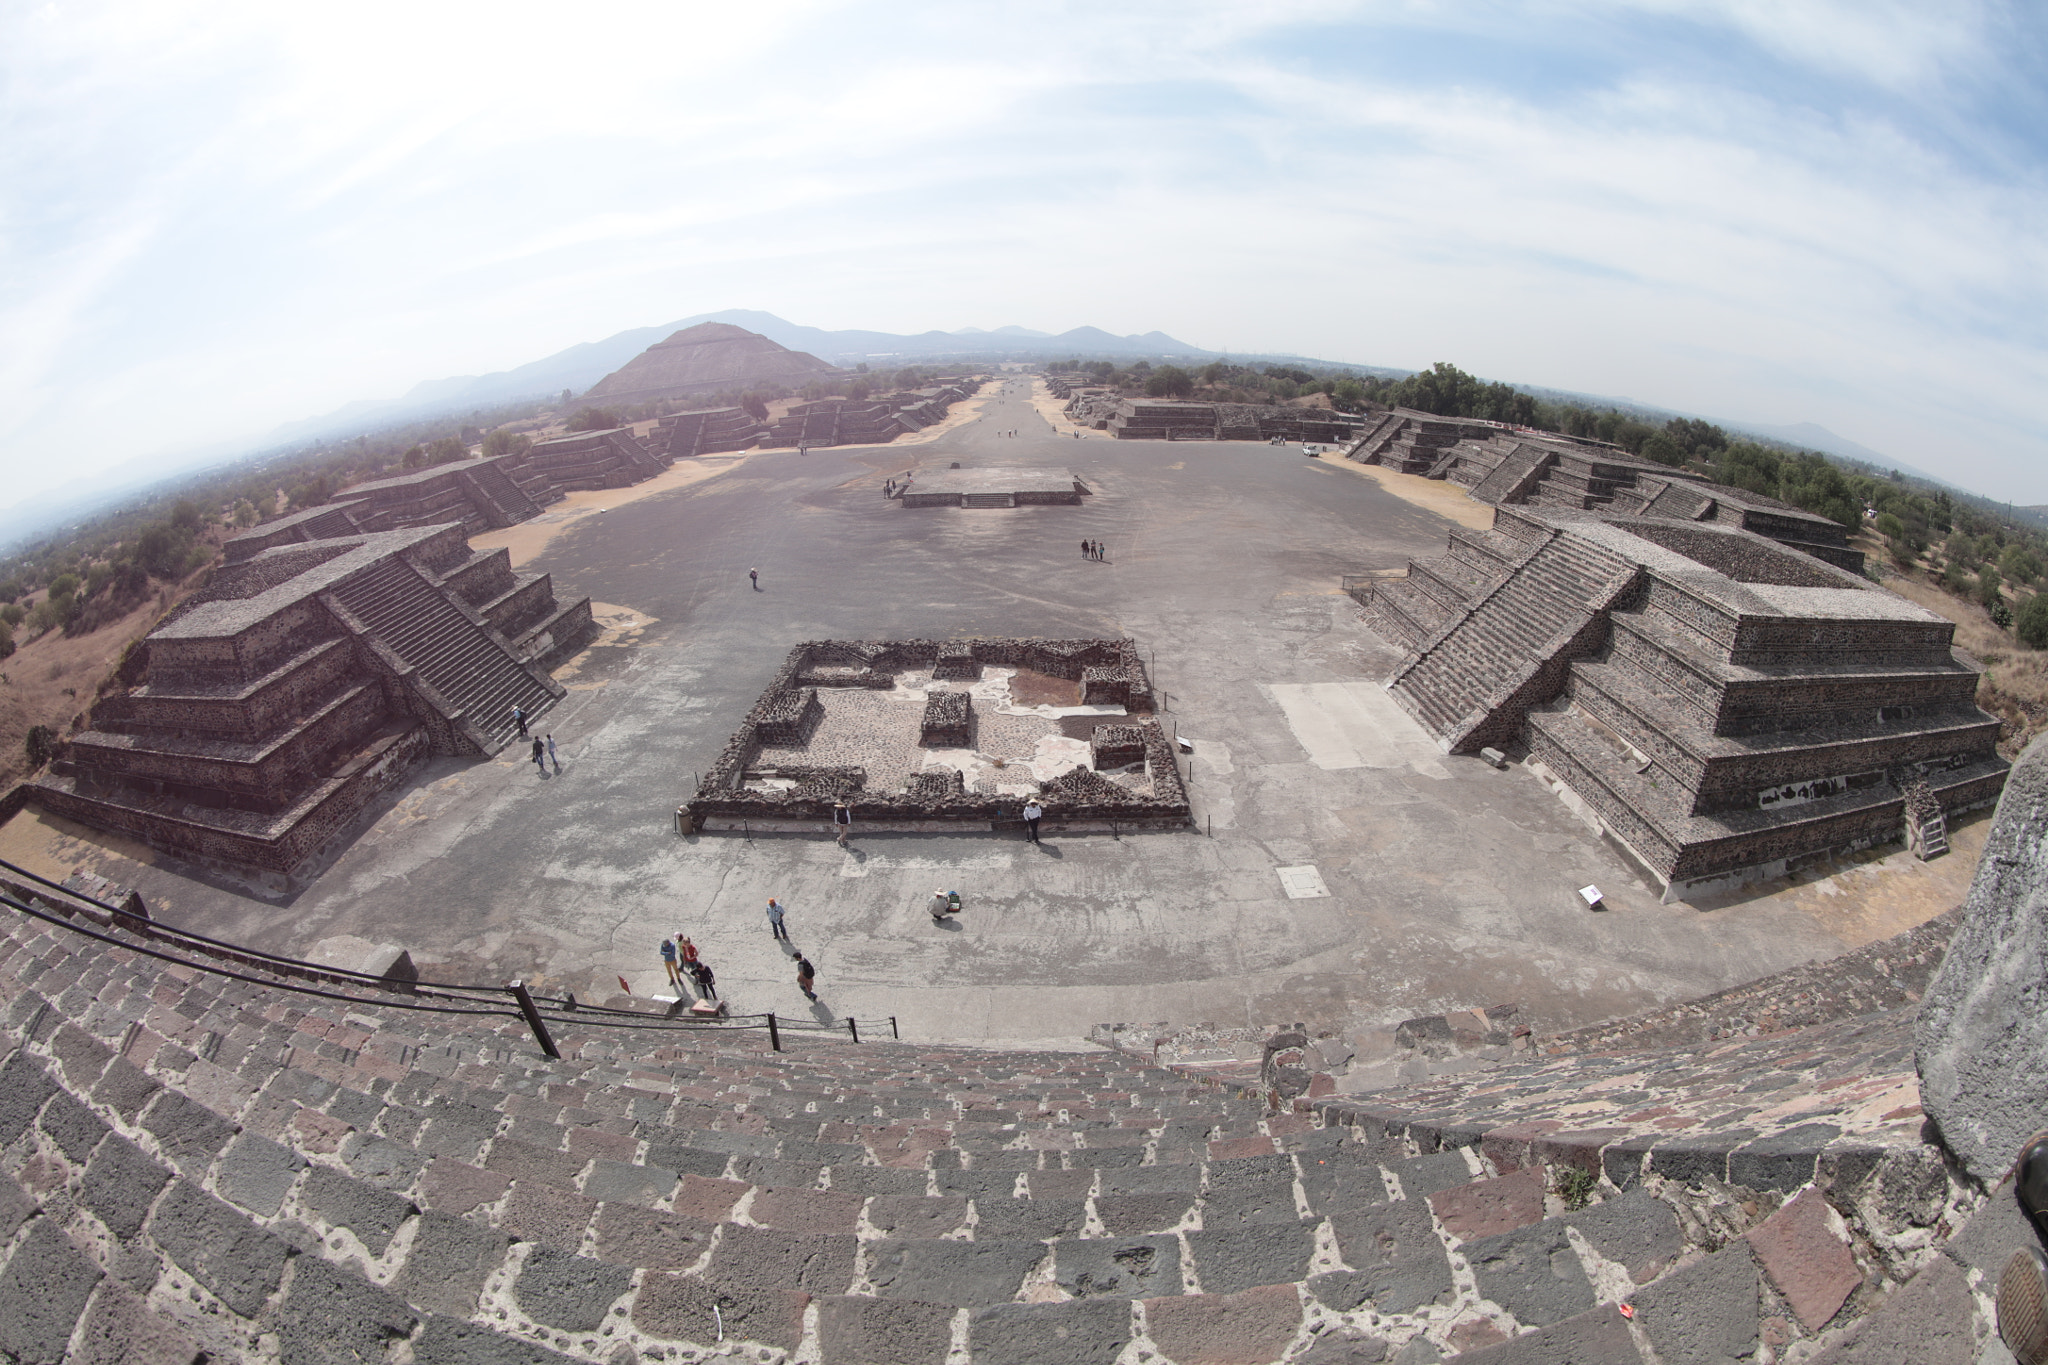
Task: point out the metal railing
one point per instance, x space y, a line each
60 906
1358 586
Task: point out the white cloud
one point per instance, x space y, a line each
215 217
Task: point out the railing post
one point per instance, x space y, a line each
533 1019
774 1035
892 1027
853 1028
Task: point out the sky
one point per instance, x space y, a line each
217 216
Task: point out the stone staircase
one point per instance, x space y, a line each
461 658
1471 682
195 1168
1517 473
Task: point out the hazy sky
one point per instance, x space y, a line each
218 215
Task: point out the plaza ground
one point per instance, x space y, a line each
1448 883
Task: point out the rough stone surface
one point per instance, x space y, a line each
1705 1313
1634 1228
1251 1328
883 1331
628 1183
632 1236
191 1136
1533 1273
569 1292
1086 1332
1396 1247
964 1274
679 1307
373 1215
240 1263
1598 1337
1807 1262
765 1258
74 1128
1925 1323
119 1186
332 1315
1982 1030
258 1173
1118 1267
542 1214
446 1341
1230 1260
24 1086
1344 1346
1486 1208
448 1264
118 1329
908 1216
42 1292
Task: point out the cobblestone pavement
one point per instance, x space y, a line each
1449 884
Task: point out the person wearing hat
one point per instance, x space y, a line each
938 906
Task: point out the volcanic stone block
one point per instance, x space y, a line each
787 718
1228 1260
1982 1032
333 1314
373 1215
1532 1272
42 1292
1222 1329
1084 1332
1705 1313
1116 746
679 1307
1120 1267
940 784
948 721
569 1292
1636 1229
450 1260
1105 686
956 663
241 1263
1396 1246
23 1087
964 1274
1807 1261
862 1331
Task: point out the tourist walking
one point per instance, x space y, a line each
806 976
707 984
519 719
1033 813
842 816
552 756
668 960
754 577
775 920
536 756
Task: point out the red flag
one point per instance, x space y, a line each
624 987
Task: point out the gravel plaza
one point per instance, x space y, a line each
1340 870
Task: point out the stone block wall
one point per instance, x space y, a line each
948 721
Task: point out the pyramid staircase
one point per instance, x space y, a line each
468 665
200 1167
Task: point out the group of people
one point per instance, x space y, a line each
680 957
1094 549
543 745
895 488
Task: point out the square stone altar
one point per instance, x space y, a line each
993 486
927 734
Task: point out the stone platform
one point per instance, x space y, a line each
993 486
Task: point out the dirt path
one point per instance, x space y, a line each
1440 496
529 538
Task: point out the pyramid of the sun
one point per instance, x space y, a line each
711 357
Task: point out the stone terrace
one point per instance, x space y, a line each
1724 705
267 712
189 1164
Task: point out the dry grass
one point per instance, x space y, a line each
53 679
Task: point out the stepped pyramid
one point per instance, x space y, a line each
707 358
276 703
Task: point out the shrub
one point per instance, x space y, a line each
600 419
2032 623
40 745
6 640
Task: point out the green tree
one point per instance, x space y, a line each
2019 564
1663 449
187 516
40 745
594 419
1170 381
2032 623
1988 585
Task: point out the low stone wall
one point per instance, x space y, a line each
948 721
934 800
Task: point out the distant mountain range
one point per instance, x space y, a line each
583 365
